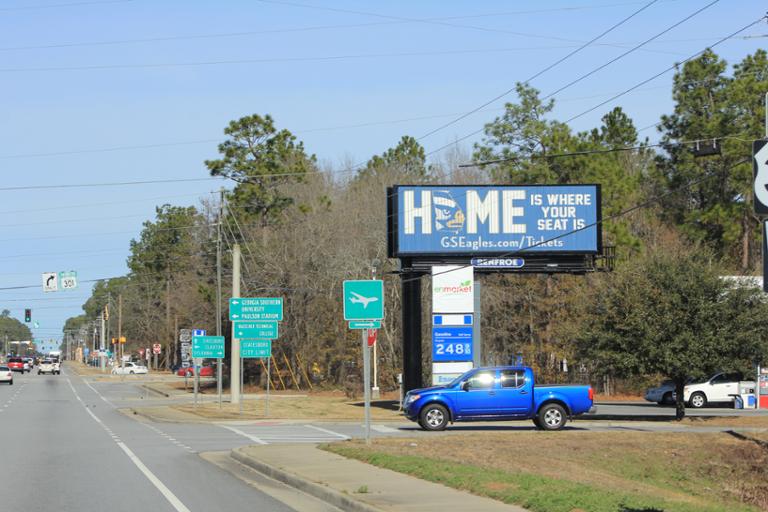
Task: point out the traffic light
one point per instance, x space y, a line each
27 315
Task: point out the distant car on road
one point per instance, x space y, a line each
6 375
30 361
721 387
205 371
17 364
129 369
500 393
49 366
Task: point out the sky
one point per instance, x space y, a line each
140 90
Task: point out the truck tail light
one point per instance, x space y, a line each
591 394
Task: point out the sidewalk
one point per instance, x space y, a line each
356 486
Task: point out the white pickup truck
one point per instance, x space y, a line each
49 366
721 387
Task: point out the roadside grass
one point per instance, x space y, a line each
586 471
727 421
320 406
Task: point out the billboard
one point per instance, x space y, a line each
461 220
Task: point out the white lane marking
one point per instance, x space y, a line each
159 485
100 395
172 499
331 432
383 429
244 434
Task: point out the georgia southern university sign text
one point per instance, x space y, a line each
451 220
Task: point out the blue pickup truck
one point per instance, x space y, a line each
499 393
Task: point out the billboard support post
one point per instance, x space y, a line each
411 316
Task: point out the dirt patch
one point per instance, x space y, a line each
294 406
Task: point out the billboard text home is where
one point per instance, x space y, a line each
494 219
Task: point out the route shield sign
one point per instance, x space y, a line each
256 348
68 280
256 308
265 330
364 300
208 346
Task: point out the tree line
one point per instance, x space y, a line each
304 228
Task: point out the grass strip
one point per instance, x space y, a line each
535 492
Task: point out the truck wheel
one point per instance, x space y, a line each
433 417
698 400
39 372
552 417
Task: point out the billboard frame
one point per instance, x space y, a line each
393 226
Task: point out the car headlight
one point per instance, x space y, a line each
411 398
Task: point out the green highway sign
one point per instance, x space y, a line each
255 329
364 300
255 348
208 346
365 324
256 308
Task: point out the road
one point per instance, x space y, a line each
66 448
69 444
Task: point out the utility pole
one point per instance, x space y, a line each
168 315
234 378
102 357
219 371
120 329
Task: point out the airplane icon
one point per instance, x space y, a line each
359 299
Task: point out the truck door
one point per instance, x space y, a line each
515 397
478 397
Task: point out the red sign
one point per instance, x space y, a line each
372 337
157 348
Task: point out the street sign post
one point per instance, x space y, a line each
365 324
256 308
251 348
263 329
364 300
207 346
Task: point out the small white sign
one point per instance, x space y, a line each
458 368
453 289
50 281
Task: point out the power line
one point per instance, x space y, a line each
674 66
604 151
296 29
273 60
52 6
437 22
108 184
539 73
635 87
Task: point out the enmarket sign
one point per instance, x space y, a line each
452 289
494 220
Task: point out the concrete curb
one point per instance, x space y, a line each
153 389
322 492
